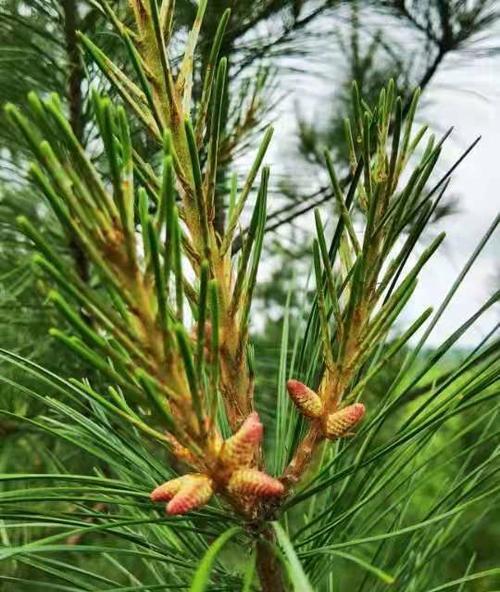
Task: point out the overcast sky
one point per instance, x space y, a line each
469 99
467 96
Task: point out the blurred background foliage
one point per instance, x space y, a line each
267 43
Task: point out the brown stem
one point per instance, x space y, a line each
75 101
75 72
302 457
269 568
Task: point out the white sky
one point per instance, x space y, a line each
470 101
467 97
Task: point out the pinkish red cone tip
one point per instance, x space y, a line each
184 493
166 491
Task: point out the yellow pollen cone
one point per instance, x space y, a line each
339 424
305 399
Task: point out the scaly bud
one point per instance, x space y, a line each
250 482
239 449
339 423
306 400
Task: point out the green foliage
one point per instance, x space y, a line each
162 323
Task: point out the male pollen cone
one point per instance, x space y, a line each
239 449
194 493
184 493
339 424
251 482
166 491
306 400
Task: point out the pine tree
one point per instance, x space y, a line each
164 321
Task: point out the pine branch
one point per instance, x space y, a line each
170 337
445 44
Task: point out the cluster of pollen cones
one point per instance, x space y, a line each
334 425
232 473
